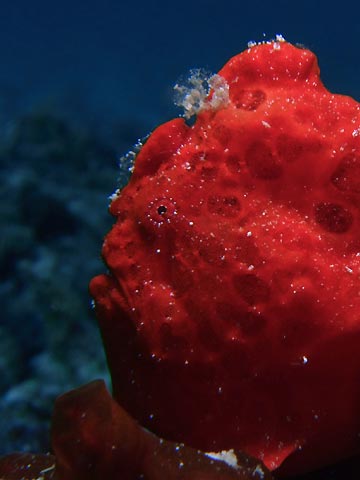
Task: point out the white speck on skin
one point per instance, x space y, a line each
251 43
46 470
226 456
258 472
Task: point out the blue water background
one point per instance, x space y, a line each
119 59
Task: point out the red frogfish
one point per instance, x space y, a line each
230 312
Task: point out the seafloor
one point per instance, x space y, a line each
55 181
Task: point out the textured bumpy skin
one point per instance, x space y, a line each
231 310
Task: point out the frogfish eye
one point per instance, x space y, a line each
162 210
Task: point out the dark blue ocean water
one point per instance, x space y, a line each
119 59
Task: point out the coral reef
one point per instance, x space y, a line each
50 170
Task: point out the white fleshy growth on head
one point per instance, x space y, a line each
220 92
193 95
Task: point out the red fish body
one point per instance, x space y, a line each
231 310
